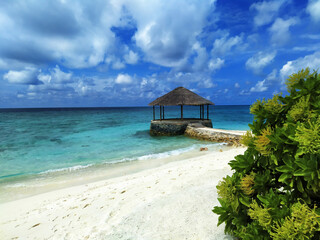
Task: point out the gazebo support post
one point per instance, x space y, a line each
202 111
181 111
154 114
207 111
163 112
160 112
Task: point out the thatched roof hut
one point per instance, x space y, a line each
180 97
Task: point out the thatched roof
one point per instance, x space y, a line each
180 96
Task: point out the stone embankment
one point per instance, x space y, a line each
174 127
232 137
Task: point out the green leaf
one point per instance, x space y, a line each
284 169
245 201
299 185
284 176
300 173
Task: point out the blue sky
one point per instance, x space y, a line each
128 52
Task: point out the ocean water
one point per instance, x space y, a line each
40 141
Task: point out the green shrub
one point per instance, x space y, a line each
275 189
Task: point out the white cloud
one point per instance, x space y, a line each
66 33
200 61
237 85
81 34
223 45
82 89
312 61
118 65
311 36
264 85
259 87
206 83
260 60
216 64
266 11
244 93
148 84
166 32
55 76
131 57
313 9
32 94
60 76
279 30
123 79
27 76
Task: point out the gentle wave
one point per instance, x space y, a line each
67 169
165 154
144 157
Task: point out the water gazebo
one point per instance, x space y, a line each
178 97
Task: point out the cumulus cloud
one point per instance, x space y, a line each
27 76
167 36
118 64
201 59
312 61
259 87
264 85
223 45
279 30
206 83
244 93
123 79
131 57
188 79
313 9
80 34
260 60
74 34
237 85
266 11
60 76
215 64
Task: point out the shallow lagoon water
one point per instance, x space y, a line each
41 141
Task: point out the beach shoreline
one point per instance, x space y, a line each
55 179
171 201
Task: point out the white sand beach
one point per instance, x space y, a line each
173 201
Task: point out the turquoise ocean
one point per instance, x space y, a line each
41 141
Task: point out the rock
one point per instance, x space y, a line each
204 149
209 134
175 127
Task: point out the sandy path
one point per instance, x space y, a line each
173 201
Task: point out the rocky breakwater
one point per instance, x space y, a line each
232 137
173 127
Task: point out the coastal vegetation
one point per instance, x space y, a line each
274 191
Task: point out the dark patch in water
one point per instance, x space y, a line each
41 137
85 145
109 123
57 140
142 134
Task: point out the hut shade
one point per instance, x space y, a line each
180 96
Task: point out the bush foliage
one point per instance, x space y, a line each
274 191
